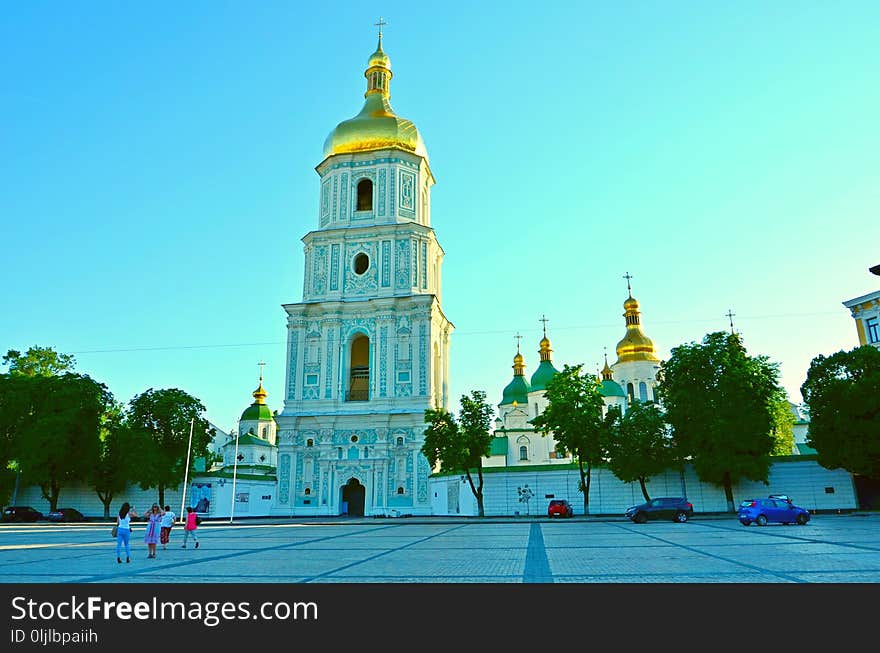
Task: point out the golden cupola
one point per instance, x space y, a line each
635 346
376 127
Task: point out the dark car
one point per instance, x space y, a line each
66 514
677 509
763 511
21 513
560 508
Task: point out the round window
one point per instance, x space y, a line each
354 438
361 263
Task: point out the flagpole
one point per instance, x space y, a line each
234 473
186 473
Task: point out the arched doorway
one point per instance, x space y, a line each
353 497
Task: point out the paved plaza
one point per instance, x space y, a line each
831 549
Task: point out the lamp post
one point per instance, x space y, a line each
234 473
186 473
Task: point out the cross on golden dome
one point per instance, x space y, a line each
380 24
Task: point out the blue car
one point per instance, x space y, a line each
764 511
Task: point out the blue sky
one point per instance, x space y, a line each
158 174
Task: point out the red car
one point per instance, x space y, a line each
560 508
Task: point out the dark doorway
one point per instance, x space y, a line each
353 495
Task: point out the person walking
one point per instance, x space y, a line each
189 529
151 536
123 531
168 518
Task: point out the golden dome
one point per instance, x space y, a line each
376 127
260 394
635 346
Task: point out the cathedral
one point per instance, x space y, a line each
368 345
632 377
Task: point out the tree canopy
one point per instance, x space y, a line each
842 393
640 445
460 445
39 361
719 401
159 421
574 417
57 443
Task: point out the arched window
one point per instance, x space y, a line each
308 491
400 441
359 380
400 490
265 429
643 391
365 195
310 443
630 391
523 453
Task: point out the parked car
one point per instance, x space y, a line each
764 511
678 509
66 514
560 508
21 513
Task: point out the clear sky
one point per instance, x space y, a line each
158 162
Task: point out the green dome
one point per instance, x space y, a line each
517 390
257 411
611 389
543 375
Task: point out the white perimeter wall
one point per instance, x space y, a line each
804 481
86 500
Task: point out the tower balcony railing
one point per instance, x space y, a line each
357 395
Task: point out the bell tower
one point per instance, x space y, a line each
368 345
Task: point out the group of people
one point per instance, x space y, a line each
158 529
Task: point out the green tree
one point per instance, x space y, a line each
842 393
719 402
116 456
641 445
57 443
16 405
160 425
574 417
38 361
15 410
783 427
460 445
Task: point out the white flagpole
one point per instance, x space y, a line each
234 471
186 473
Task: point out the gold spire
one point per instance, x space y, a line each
544 350
635 346
518 365
260 394
606 371
376 127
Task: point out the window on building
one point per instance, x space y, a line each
523 453
873 329
361 263
400 441
359 380
310 443
308 491
630 391
311 379
365 195
400 490
354 438
643 391
265 431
